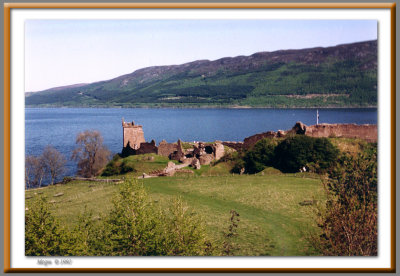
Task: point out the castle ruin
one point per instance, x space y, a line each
198 153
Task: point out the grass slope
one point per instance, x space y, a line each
272 220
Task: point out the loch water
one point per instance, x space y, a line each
59 126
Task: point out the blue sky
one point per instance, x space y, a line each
64 52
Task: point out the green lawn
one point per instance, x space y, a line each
272 220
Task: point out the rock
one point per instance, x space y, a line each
281 133
219 150
170 169
206 159
299 128
144 175
195 164
188 160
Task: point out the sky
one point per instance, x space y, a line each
65 52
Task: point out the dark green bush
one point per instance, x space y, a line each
111 169
115 167
125 167
260 155
297 151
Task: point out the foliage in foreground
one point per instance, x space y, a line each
349 224
133 228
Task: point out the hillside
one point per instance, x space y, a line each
339 76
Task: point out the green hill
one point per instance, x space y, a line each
339 76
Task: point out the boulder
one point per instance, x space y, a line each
195 164
206 159
299 128
281 133
219 150
170 169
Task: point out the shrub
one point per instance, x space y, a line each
43 234
125 167
260 155
111 169
349 224
115 167
184 233
297 151
136 228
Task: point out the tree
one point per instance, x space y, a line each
54 162
90 153
350 223
34 171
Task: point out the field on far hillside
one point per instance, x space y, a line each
273 217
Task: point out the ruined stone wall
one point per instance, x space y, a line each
147 148
166 149
235 145
250 141
366 132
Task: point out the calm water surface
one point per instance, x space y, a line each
59 126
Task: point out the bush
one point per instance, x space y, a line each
43 234
115 167
111 169
260 155
297 151
134 227
349 224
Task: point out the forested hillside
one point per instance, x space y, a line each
340 76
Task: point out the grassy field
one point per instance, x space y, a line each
273 220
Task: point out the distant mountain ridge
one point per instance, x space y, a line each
343 75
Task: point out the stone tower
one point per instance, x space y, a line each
132 134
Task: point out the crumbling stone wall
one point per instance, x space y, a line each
366 132
166 149
179 154
234 145
250 141
147 148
